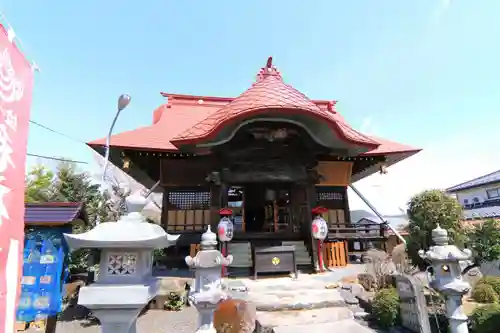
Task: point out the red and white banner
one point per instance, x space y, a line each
16 86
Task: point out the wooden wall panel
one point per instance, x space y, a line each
185 172
334 173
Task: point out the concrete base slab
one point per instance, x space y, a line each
304 317
299 299
348 325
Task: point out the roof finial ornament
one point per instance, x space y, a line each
269 63
268 70
331 106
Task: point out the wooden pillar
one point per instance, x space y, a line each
164 208
347 214
215 205
50 324
312 201
223 194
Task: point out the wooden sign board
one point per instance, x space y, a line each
334 173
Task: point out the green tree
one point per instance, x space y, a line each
68 184
72 185
38 184
484 241
425 211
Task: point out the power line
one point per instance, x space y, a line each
57 159
56 131
59 133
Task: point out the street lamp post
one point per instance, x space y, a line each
123 102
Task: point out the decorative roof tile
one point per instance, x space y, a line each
482 213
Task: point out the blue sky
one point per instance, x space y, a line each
422 72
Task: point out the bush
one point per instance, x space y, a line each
379 264
486 319
493 281
367 281
484 293
385 307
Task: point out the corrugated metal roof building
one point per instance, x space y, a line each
54 213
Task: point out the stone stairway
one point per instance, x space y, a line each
302 254
242 259
302 305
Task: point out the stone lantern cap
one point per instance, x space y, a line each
130 231
442 251
208 256
440 236
208 240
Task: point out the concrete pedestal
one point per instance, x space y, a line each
117 320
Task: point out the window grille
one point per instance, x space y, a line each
188 210
333 198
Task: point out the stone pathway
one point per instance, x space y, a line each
153 321
290 305
338 326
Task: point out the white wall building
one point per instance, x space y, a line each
480 197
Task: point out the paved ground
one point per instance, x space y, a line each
154 321
322 309
348 325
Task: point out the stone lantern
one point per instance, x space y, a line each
207 291
447 277
125 282
319 231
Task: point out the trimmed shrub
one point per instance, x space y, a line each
484 293
385 307
486 319
367 281
493 281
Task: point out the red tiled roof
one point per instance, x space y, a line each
389 147
269 92
187 117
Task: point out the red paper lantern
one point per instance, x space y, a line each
225 212
225 229
319 210
319 227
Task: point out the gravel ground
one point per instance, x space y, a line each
153 321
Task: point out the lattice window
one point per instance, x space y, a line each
333 198
122 264
329 196
188 209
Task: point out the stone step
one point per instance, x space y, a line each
245 249
296 299
292 242
347 325
247 245
304 318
